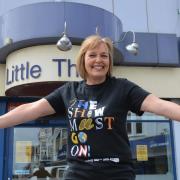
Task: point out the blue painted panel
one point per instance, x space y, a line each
2 111
147 49
112 26
80 22
47 20
8 165
34 21
154 49
167 49
43 23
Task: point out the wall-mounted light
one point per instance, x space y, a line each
133 47
64 43
8 41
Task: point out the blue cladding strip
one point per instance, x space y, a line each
154 50
2 111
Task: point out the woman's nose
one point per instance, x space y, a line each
98 58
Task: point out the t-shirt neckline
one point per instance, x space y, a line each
96 85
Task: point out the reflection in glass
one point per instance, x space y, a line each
37 147
150 144
151 147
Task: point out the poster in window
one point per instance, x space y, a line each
142 152
23 151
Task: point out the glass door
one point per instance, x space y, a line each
38 152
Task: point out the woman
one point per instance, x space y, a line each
98 145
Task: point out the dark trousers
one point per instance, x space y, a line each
77 171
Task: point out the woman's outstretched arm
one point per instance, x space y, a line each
161 107
26 112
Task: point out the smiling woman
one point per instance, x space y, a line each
96 108
94 61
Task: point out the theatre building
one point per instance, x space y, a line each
31 66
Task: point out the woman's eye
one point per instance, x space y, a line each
92 55
104 56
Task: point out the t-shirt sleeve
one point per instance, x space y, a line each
136 96
55 99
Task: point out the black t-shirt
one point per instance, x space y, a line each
97 118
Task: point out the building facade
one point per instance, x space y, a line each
31 66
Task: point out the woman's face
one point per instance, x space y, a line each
97 64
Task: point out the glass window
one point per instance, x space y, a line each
36 148
151 147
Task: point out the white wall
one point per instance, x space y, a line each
153 79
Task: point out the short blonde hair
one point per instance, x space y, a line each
92 42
